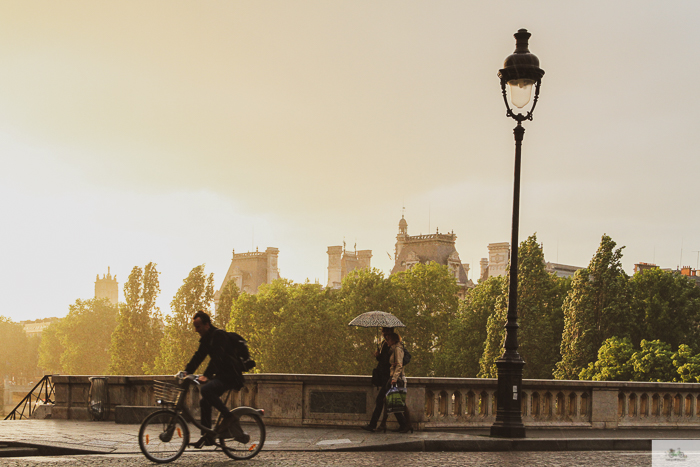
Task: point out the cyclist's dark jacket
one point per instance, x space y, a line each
214 343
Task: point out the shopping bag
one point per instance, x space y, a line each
396 400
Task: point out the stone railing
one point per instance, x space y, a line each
434 403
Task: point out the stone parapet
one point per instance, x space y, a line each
434 403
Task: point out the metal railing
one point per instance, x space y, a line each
41 393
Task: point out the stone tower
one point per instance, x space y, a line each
107 287
341 262
437 247
251 270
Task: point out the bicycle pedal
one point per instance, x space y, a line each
203 441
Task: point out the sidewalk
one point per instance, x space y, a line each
56 437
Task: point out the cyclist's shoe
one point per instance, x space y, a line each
205 440
243 439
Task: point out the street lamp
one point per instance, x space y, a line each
521 71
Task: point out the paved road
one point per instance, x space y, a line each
360 459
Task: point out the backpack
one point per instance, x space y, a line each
237 349
406 357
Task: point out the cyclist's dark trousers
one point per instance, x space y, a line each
211 392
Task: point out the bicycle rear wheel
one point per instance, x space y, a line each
247 445
163 436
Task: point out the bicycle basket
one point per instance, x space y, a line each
166 393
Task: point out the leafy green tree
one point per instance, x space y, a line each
229 294
136 339
613 362
665 306
255 317
179 340
16 358
51 349
79 344
467 332
427 295
687 364
653 362
540 317
366 290
596 308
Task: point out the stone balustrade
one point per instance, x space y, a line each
434 403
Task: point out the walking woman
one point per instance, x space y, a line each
397 377
391 368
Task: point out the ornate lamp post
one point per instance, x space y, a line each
521 71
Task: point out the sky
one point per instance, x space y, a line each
142 131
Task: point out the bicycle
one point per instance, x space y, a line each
164 434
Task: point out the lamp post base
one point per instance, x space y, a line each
509 421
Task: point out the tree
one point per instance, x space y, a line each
653 362
229 294
255 317
467 332
79 344
687 364
665 306
427 295
365 290
51 349
179 341
613 362
595 309
16 353
136 339
540 318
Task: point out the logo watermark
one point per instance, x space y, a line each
685 452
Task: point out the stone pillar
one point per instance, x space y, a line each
604 408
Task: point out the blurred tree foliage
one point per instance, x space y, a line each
79 344
653 361
18 352
229 294
596 309
427 303
303 328
664 306
540 318
467 333
136 339
179 340
613 363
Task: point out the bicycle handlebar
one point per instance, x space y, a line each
182 375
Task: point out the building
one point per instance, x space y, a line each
437 247
107 287
639 267
497 262
341 262
251 270
36 327
561 270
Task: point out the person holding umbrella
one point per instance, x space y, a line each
386 368
381 377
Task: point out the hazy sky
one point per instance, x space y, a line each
174 132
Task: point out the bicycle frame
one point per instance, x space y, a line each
181 409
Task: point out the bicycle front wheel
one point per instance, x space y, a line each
163 436
246 443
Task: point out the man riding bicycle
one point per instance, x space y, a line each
220 376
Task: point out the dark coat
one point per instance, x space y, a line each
221 365
383 363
